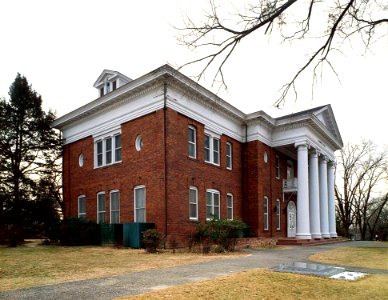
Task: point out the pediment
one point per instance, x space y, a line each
325 115
109 75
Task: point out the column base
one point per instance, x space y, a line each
326 235
303 236
333 234
316 235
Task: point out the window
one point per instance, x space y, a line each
114 207
140 203
229 205
193 203
192 142
101 211
277 167
81 160
114 85
118 147
277 214
101 92
229 156
212 149
290 169
108 150
266 213
99 153
212 204
82 207
138 143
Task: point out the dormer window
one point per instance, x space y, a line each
109 81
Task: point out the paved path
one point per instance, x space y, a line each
145 281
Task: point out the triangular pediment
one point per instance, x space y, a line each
109 75
326 116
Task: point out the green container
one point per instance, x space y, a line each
111 234
133 234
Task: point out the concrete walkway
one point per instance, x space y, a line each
145 281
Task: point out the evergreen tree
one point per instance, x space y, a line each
28 146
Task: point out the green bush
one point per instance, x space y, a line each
221 232
151 240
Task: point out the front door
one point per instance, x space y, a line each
291 219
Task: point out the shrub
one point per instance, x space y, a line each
223 233
151 240
76 232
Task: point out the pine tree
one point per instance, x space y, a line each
28 145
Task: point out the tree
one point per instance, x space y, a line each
361 171
27 146
328 23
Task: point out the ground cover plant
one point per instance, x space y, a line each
32 265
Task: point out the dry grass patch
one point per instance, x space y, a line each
366 257
264 284
26 266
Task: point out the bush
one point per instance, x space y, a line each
77 232
151 240
223 233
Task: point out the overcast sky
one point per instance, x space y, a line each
63 46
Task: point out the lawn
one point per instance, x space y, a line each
28 265
265 284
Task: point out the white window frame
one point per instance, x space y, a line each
265 213
229 208
229 156
98 207
212 150
193 188
112 150
134 202
81 215
212 192
277 166
278 208
192 143
110 206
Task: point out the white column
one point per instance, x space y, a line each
323 200
302 207
315 222
331 202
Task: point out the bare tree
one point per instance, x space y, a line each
219 34
360 172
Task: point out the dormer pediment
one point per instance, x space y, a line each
110 80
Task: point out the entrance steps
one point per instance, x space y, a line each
309 242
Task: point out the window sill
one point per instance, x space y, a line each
106 166
212 164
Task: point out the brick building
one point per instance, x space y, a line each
163 149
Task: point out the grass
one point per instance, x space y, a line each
27 266
265 284
366 257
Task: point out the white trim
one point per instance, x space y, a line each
230 156
110 206
194 143
134 202
196 203
104 138
266 214
100 211
84 213
213 192
229 207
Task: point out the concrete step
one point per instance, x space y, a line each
309 242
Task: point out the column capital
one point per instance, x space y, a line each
324 159
315 152
331 164
302 144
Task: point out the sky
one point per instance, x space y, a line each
63 46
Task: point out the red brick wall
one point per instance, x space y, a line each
260 181
184 172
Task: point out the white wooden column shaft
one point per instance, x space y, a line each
331 201
315 222
323 198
